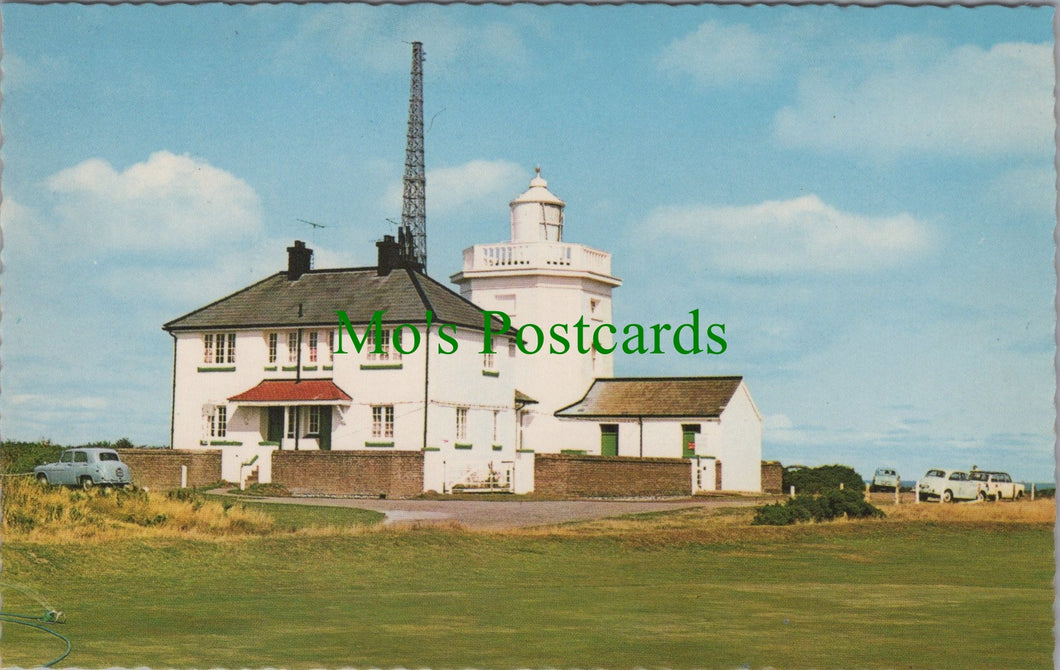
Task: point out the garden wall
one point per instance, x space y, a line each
159 469
391 474
611 476
772 477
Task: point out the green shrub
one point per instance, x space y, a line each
830 505
822 478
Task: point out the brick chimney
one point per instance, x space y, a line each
299 260
389 255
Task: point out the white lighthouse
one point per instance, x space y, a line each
537 278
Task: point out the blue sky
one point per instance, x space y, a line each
863 196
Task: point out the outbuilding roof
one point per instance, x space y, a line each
635 397
313 298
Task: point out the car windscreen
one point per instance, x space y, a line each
935 473
108 456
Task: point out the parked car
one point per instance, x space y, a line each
85 467
885 479
996 485
948 485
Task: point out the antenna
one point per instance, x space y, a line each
414 200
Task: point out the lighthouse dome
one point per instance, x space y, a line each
537 214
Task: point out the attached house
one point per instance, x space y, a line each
274 366
704 418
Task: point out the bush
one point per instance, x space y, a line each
832 504
19 457
820 479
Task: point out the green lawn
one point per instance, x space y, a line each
869 594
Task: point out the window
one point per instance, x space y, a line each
383 421
219 348
496 415
218 421
461 423
331 346
313 336
292 347
292 421
273 341
488 361
314 420
511 348
386 354
80 457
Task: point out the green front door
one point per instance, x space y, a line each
325 428
689 434
608 439
274 427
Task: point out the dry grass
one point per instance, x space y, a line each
36 512
1041 511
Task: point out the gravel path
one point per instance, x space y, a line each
513 513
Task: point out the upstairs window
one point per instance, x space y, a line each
292 347
313 337
489 362
219 348
386 353
273 342
331 346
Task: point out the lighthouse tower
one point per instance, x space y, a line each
537 278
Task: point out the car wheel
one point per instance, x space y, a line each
1018 495
86 483
42 478
947 496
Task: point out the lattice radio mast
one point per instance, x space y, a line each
414 202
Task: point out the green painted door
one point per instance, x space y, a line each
689 435
274 428
608 439
325 428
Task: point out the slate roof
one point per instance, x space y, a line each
291 390
311 300
634 397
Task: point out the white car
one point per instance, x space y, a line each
996 485
948 485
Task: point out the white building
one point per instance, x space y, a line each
273 367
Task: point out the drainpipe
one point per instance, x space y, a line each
426 383
298 378
173 393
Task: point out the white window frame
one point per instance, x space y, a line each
489 361
461 423
292 428
217 422
388 353
314 338
292 347
313 421
382 421
272 341
207 348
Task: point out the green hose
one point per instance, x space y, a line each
51 616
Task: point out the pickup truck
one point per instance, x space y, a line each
85 467
948 485
996 485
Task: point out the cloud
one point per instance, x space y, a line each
376 40
167 202
720 54
786 236
450 189
915 97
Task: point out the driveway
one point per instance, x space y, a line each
513 513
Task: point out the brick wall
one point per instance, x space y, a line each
393 474
772 477
159 469
611 476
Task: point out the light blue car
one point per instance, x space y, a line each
85 467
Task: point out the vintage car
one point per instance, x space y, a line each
996 485
948 485
85 467
885 479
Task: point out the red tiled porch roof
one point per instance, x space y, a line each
294 392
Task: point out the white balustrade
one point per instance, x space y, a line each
538 256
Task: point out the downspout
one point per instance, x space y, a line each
640 422
426 382
298 378
173 393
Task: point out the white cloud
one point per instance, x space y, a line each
451 188
784 236
965 101
721 54
167 202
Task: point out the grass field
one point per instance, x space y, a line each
932 587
